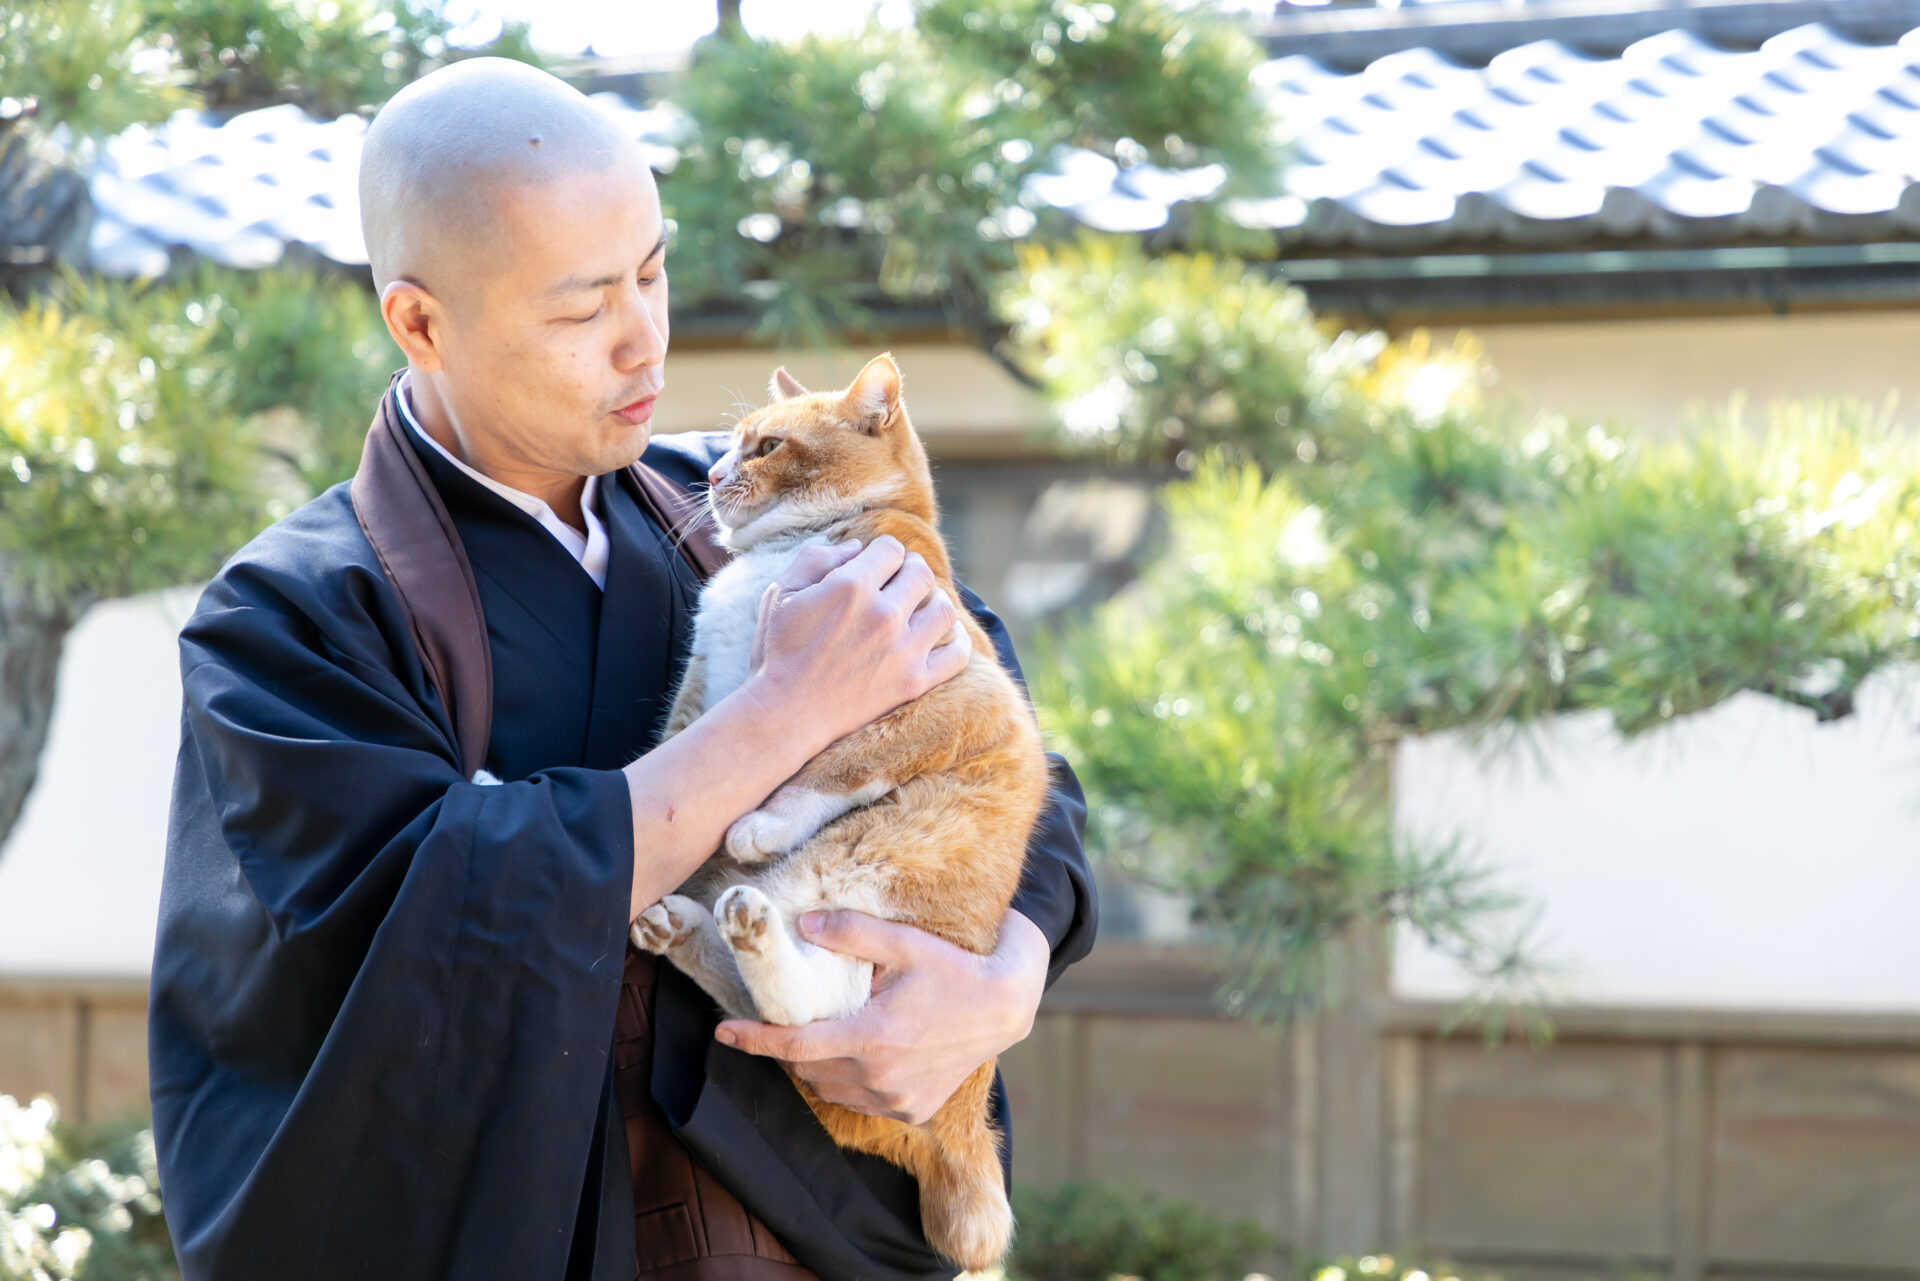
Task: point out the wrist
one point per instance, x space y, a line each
784 715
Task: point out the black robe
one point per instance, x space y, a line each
383 996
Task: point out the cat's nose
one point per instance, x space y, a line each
716 473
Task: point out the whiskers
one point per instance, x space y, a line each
740 409
687 514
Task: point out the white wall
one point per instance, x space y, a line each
1656 375
1744 857
80 874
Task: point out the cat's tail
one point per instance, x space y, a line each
956 1158
963 1194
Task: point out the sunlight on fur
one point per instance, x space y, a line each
921 817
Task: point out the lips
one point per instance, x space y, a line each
636 413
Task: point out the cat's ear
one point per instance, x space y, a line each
784 386
875 394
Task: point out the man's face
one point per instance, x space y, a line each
552 360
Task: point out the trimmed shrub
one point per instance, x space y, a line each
1093 1231
78 1204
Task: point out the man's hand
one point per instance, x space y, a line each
848 633
937 1013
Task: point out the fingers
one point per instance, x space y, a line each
947 661
886 943
933 622
815 562
757 653
808 1043
875 564
833 1057
877 1087
894 1106
912 585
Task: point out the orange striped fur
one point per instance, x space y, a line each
926 812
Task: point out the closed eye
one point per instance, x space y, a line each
768 445
581 320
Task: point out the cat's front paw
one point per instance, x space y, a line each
661 928
744 916
761 837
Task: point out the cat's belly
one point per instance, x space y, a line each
729 609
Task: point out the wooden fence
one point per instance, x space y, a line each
1690 1144
82 1041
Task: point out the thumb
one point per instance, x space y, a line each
757 652
886 943
815 562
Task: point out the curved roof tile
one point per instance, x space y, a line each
1809 135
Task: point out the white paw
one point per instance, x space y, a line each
660 928
760 837
744 916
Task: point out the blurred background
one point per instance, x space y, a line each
1445 465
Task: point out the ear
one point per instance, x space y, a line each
784 386
875 394
414 319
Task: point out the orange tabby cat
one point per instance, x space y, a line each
922 817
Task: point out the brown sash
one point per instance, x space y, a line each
686 1226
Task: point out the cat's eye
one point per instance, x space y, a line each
767 446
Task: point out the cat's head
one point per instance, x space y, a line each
811 459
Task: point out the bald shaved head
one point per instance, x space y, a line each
444 157
518 242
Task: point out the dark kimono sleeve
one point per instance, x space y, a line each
1056 886
382 996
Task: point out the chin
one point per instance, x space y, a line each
623 447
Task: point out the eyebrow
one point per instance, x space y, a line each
578 284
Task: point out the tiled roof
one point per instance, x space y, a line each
238 193
242 191
1810 136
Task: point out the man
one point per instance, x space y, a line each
391 956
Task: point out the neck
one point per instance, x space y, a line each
780 527
474 446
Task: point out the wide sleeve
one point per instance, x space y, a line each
382 996
1056 886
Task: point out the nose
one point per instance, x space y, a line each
717 473
644 339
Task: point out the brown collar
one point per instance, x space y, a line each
407 522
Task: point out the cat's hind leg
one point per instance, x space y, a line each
790 980
682 930
787 819
921 737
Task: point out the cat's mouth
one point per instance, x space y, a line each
741 519
729 504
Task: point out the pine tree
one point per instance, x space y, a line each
1370 547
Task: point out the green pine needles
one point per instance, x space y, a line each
1368 548
155 428
827 184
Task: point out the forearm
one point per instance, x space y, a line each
687 791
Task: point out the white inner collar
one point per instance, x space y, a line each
590 551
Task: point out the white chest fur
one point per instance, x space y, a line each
729 608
